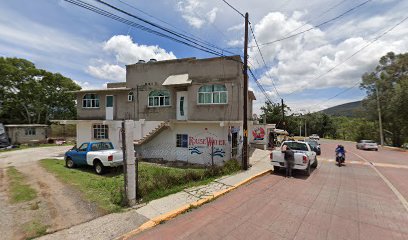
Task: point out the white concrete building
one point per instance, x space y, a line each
185 109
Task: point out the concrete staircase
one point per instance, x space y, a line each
152 134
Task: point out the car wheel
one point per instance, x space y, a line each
276 168
314 165
308 170
69 163
99 168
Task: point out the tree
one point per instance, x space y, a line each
31 95
391 78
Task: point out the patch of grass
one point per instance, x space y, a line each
34 229
20 191
155 181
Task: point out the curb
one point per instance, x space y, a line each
172 214
396 148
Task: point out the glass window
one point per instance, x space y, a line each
102 146
159 98
83 147
212 94
30 131
90 100
182 140
130 97
100 131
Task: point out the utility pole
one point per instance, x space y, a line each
379 115
129 168
305 128
283 115
245 127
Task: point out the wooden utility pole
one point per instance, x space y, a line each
283 115
245 127
379 115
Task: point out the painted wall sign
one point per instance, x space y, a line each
195 150
258 133
218 152
208 141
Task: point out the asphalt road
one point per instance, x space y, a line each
362 200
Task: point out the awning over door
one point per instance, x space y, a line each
180 79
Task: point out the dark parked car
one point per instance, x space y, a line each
315 146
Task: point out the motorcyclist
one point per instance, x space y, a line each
340 149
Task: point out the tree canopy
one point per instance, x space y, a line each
390 77
31 95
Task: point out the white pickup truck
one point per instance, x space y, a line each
305 158
100 155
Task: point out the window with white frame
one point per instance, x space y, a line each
182 140
30 131
130 97
90 100
100 131
159 98
212 94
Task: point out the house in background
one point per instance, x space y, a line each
27 133
184 109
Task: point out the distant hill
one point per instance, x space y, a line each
352 109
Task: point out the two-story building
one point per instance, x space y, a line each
184 109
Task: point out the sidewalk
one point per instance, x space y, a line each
133 221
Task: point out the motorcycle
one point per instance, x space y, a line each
340 158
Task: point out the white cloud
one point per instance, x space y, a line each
109 72
129 52
295 64
196 13
126 52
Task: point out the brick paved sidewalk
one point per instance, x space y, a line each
351 202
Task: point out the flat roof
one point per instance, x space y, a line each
102 90
26 125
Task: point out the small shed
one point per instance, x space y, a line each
27 133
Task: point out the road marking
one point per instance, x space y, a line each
399 166
389 184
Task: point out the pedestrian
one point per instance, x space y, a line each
289 160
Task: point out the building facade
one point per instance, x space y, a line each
185 109
27 133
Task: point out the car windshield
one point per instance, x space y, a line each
367 141
296 146
102 146
312 143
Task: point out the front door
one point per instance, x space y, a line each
182 106
109 107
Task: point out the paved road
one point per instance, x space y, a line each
351 202
30 155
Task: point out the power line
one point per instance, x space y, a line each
311 28
368 44
358 51
236 10
141 27
317 26
260 87
321 15
180 35
263 59
198 39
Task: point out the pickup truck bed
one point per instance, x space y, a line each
305 158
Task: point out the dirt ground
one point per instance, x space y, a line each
57 205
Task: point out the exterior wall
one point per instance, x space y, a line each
123 109
146 77
84 132
17 135
199 150
150 76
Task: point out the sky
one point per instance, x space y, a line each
319 68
